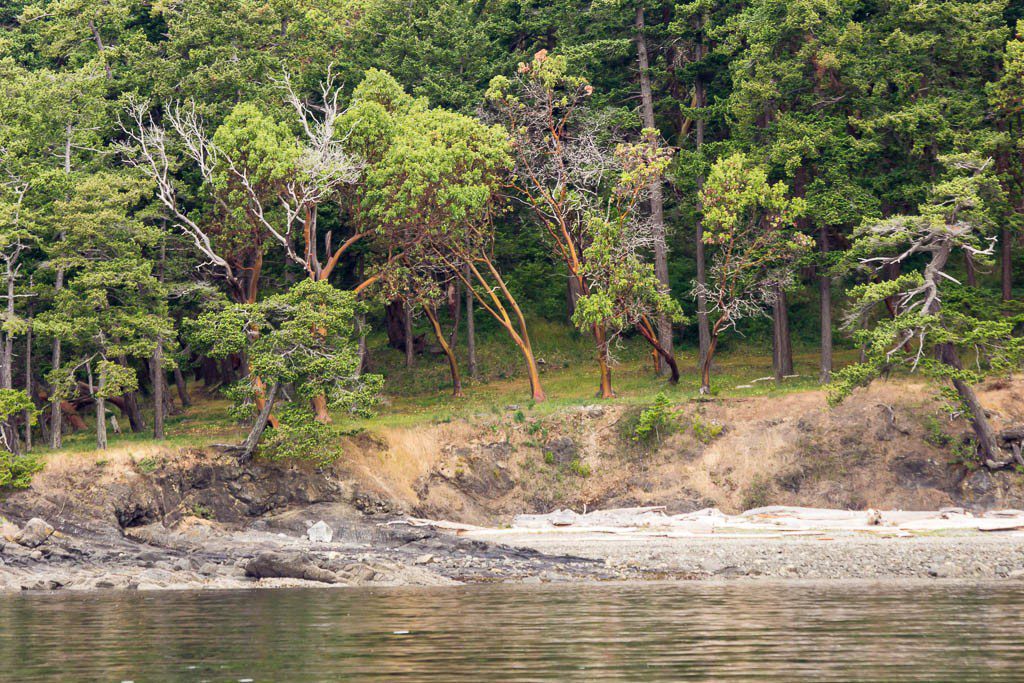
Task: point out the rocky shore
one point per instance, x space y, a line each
333 544
284 550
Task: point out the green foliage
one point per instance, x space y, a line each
16 470
654 422
299 436
706 431
935 433
302 339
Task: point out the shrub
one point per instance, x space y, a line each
16 470
654 422
706 432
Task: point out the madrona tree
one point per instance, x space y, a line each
932 330
435 192
565 170
749 230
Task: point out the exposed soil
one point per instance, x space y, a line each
197 519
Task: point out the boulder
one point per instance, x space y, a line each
280 566
320 532
34 534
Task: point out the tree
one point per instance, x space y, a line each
624 290
112 309
1007 98
929 331
435 191
302 339
749 223
565 167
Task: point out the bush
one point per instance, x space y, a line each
16 470
706 432
655 422
300 437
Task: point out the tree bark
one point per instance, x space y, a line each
182 387
660 352
703 329
972 271
1006 263
471 334
453 364
101 413
825 293
410 349
656 199
987 444
252 440
601 339
157 377
29 388
782 345
131 405
705 366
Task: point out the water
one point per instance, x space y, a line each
735 631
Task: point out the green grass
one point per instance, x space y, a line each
422 395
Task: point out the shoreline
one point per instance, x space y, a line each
277 553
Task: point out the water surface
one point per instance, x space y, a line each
731 631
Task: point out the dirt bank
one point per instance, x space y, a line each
154 518
890 447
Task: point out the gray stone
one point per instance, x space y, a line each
34 534
209 569
562 449
277 565
320 532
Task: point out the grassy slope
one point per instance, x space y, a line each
423 394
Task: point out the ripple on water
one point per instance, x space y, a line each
730 631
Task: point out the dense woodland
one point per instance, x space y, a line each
240 190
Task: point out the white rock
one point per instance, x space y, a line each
320 532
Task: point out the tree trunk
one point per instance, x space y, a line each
131 405
705 366
1006 263
455 311
101 414
157 376
825 293
410 348
782 345
987 444
7 367
656 198
248 446
601 339
572 295
972 271
471 334
182 387
453 364
29 388
660 352
703 329
320 412
394 324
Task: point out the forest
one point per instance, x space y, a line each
304 204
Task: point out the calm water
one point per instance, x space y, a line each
605 632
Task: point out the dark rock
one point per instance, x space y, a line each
277 565
563 449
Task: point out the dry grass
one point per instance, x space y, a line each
405 456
